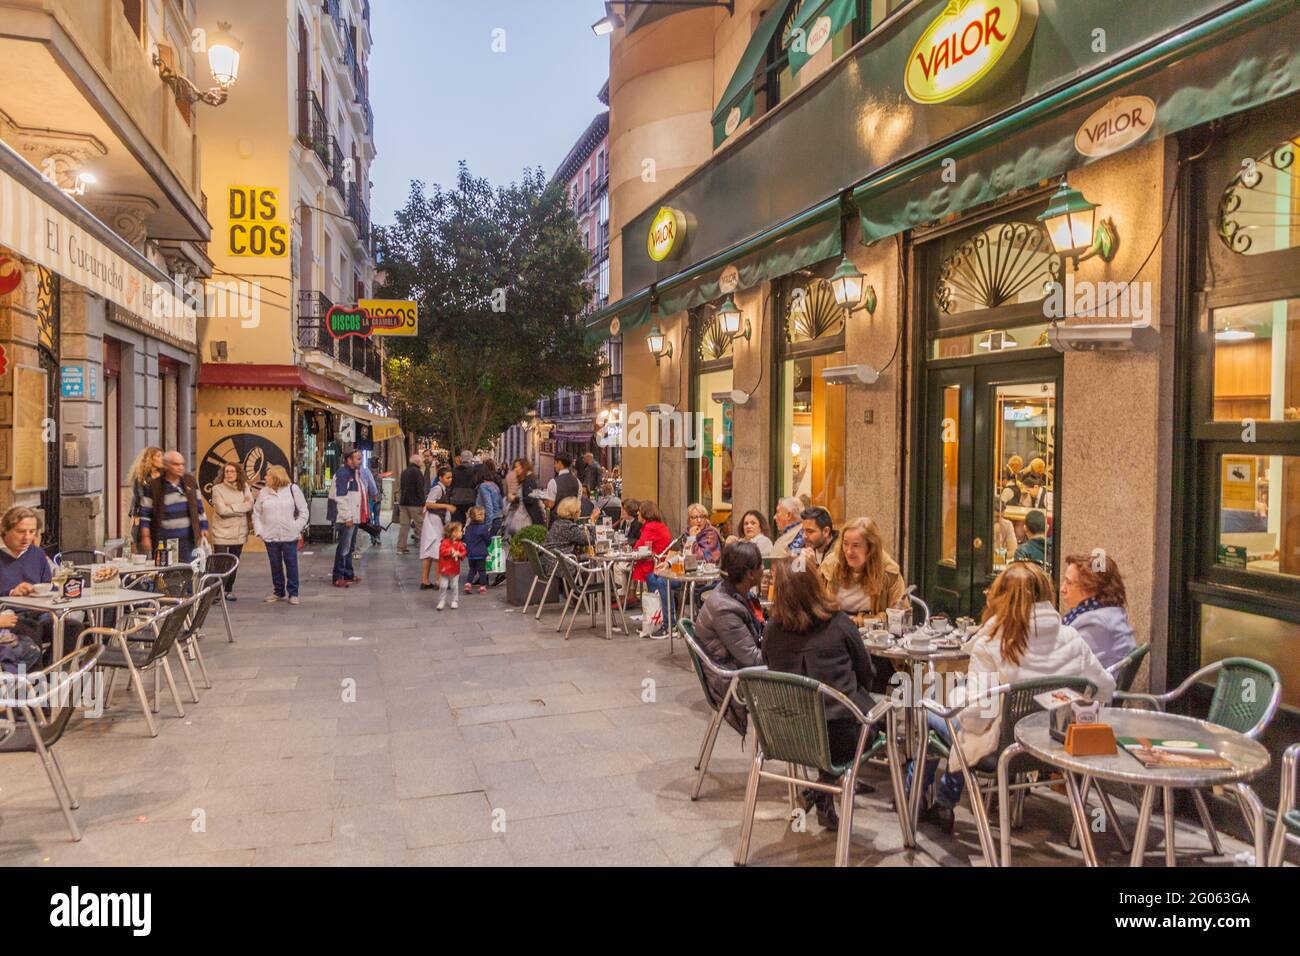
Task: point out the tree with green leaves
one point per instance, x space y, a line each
498 277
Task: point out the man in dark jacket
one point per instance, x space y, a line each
590 474
564 485
464 486
412 491
727 628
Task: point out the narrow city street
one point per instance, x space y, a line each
475 737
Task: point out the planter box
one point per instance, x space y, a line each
519 578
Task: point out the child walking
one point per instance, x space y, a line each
478 536
450 553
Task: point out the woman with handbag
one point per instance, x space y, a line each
232 517
280 517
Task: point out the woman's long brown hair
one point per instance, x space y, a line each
799 599
1011 600
872 577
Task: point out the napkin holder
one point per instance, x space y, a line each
1089 740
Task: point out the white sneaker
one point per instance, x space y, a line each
658 637
454 605
272 598
442 604
294 600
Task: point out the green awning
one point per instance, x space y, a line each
809 239
813 26
632 311
737 102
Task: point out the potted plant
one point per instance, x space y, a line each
519 570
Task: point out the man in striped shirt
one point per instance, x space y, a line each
172 508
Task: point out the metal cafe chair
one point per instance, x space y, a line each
38 706
224 566
1125 671
1287 827
992 774
704 668
211 586
546 567
1246 696
81 556
789 716
585 584
142 645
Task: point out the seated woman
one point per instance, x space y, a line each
708 543
630 522
566 533
654 537
863 578
753 528
1094 601
808 634
1021 637
729 626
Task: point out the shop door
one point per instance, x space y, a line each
974 512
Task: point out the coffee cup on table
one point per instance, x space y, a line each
43 590
139 558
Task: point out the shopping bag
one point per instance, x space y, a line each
496 558
516 520
652 613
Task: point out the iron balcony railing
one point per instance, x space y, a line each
335 165
313 127
361 355
358 212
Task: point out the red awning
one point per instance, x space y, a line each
231 375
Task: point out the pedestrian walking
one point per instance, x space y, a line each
413 488
437 507
490 498
280 517
232 517
374 525
146 468
350 507
172 509
478 538
464 481
451 551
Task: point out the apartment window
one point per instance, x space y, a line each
586 181
134 12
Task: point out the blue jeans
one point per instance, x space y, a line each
664 587
343 553
284 566
951 785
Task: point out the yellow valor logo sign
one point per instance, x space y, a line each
969 42
667 234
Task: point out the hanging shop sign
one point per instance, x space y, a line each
343 321
253 225
970 43
391 316
1117 125
667 234
729 281
11 274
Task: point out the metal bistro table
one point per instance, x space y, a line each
940 660
1248 759
611 560
89 601
689 579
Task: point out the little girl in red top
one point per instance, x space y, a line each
450 553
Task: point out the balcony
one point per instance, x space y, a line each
313 127
335 166
358 212
333 8
611 388
360 355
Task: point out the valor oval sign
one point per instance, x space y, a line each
1119 124
969 42
667 234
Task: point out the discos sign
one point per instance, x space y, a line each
970 43
667 234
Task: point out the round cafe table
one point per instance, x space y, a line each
914 663
1248 758
689 579
611 560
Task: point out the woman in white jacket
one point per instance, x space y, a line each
280 516
1022 638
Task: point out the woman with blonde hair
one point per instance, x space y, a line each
1021 638
861 575
148 466
280 516
567 533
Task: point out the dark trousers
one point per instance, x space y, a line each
343 553
236 550
284 567
477 571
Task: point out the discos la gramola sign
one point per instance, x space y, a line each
967 47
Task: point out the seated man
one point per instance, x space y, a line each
1035 546
23 565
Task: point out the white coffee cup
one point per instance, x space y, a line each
43 589
919 641
139 558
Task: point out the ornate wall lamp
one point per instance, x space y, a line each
658 344
851 291
223 62
1071 223
729 319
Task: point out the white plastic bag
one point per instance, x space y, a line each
652 613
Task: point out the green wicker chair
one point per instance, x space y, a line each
1246 696
1126 671
1287 826
993 773
788 712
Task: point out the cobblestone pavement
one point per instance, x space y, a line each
476 737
